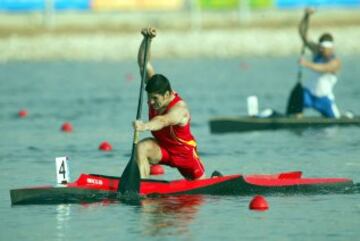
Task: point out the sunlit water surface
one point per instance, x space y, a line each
100 98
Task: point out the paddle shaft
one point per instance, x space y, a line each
130 178
303 48
143 77
299 74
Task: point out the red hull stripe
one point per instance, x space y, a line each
89 181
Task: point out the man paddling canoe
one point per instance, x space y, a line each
318 92
169 122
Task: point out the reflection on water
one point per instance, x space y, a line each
62 218
160 216
169 215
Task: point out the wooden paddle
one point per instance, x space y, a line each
296 99
130 178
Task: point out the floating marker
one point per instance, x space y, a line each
105 146
259 203
156 170
62 170
244 66
23 113
67 127
252 105
129 77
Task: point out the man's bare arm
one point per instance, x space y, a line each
149 33
303 31
178 115
331 67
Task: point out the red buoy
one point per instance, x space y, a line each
67 127
23 113
244 66
156 170
129 77
259 203
105 146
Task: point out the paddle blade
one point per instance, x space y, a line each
296 100
130 178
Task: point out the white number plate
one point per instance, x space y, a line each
62 170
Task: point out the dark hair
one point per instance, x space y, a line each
158 84
326 37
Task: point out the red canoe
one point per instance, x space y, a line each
94 188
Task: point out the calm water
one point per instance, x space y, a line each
99 99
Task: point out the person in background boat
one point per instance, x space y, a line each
318 90
172 143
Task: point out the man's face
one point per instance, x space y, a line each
158 101
326 52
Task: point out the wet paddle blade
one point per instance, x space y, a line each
295 103
130 178
296 100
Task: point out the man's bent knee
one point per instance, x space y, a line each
149 149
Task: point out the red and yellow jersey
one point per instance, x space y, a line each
178 146
175 135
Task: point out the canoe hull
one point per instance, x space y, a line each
95 188
242 124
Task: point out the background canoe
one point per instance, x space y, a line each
247 123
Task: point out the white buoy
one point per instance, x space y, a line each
62 170
252 105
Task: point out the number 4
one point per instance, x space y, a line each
62 169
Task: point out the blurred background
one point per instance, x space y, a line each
93 29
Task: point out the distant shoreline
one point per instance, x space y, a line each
99 37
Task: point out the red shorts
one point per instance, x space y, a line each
186 161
